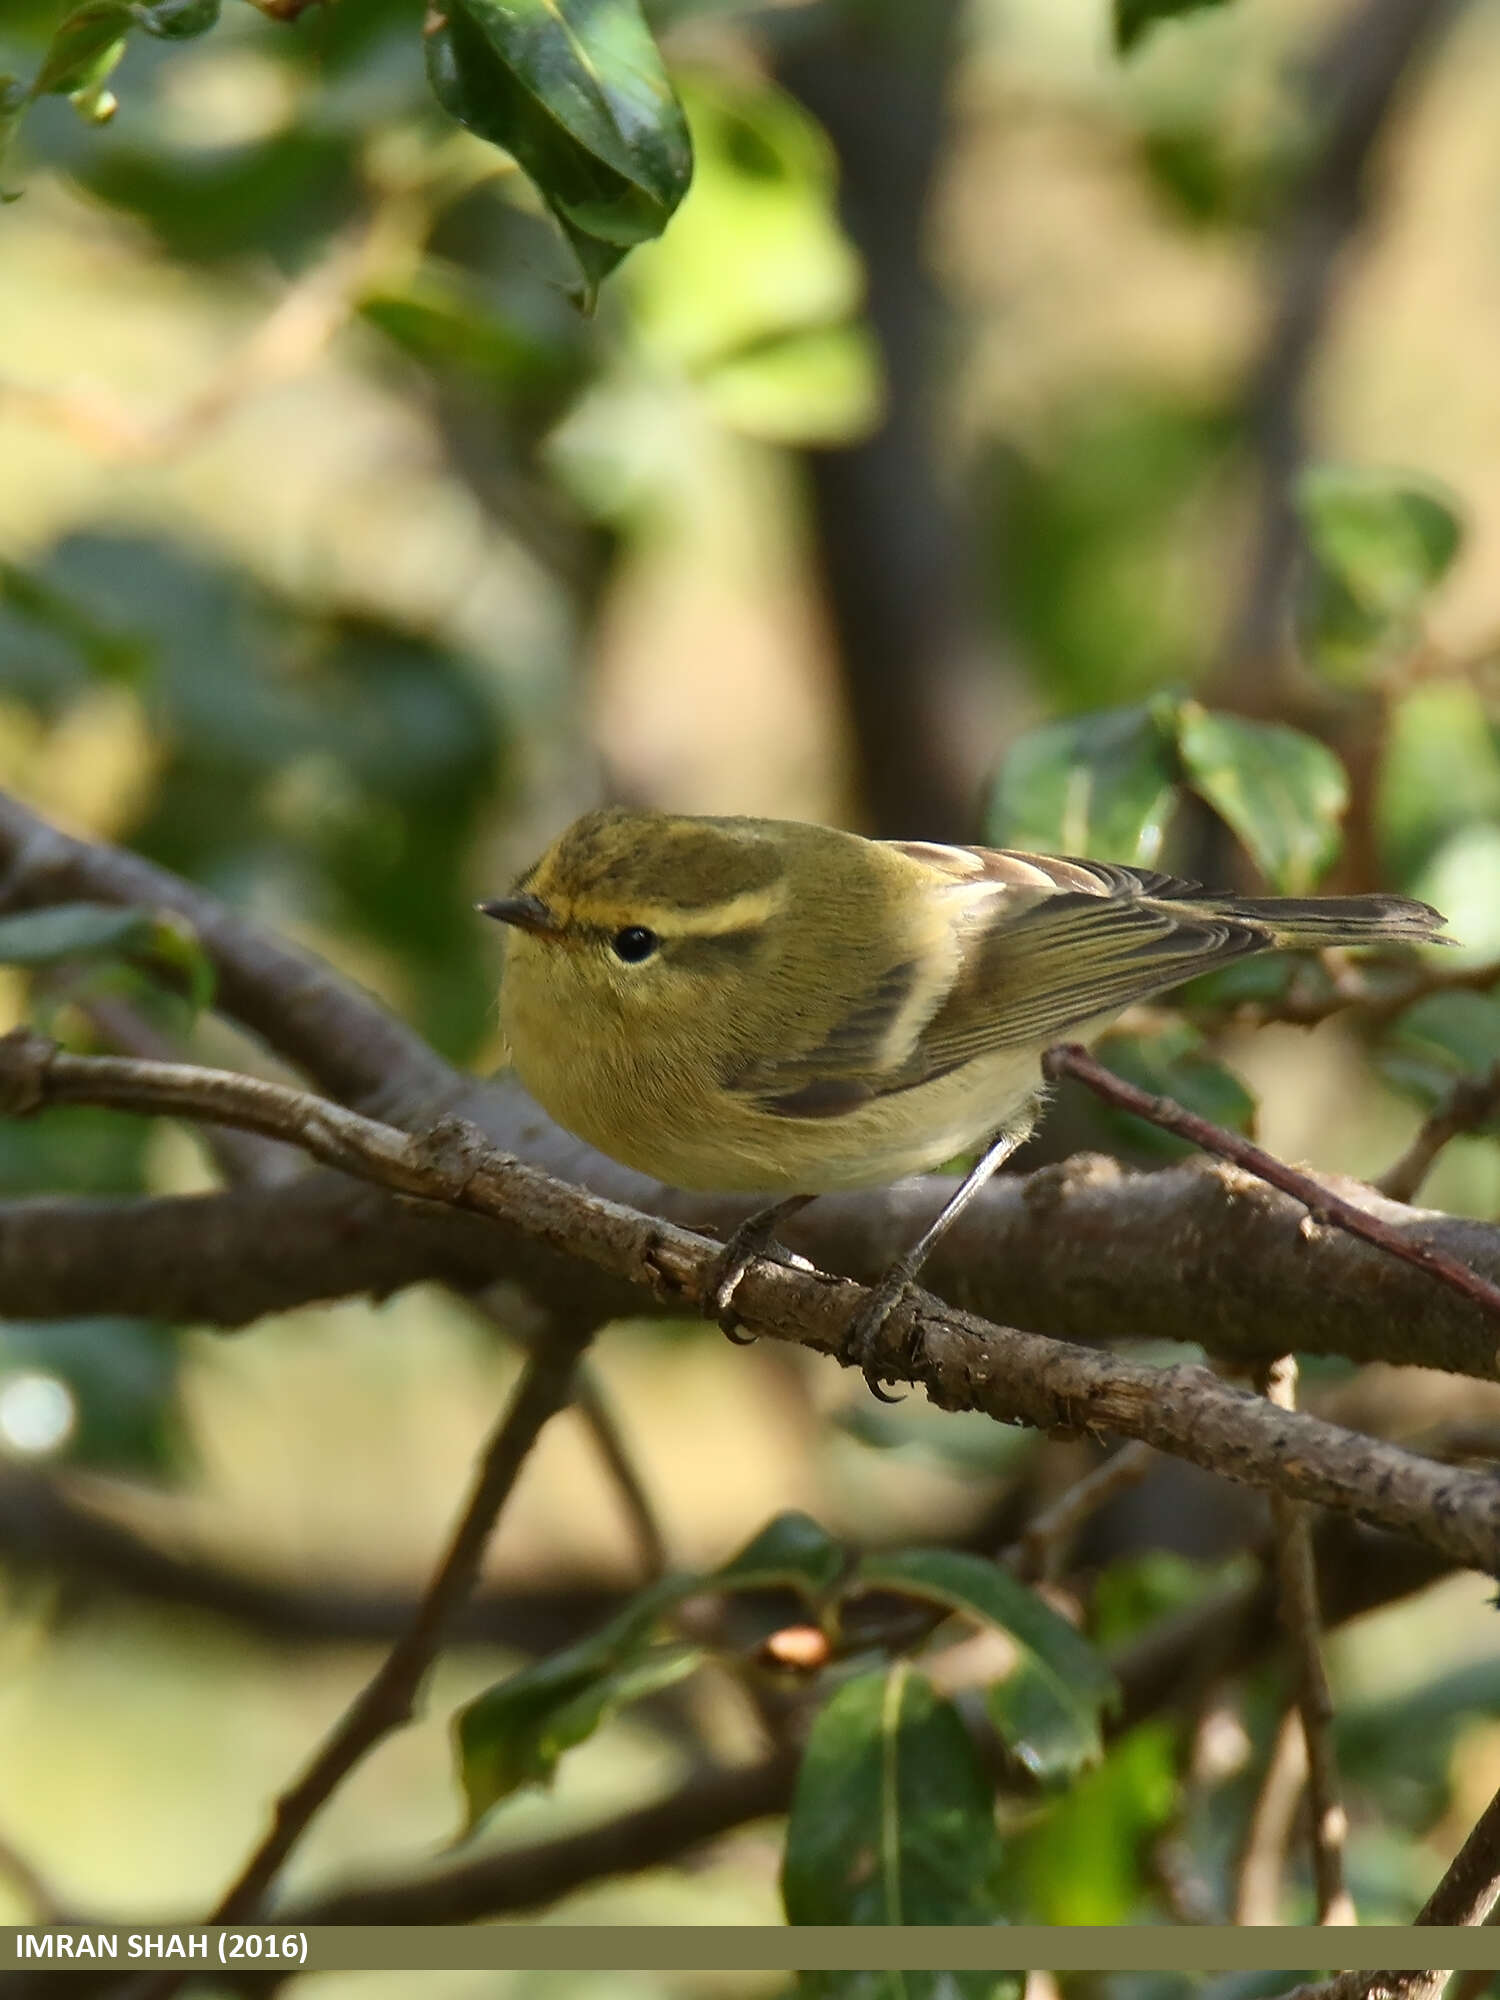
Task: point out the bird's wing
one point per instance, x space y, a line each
1051 942
849 1067
1044 944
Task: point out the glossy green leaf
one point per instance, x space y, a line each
514 1733
1174 1062
1050 1707
1379 543
105 930
791 1550
1135 18
1281 792
576 92
87 45
893 1820
1102 785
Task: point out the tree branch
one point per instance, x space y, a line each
1198 1253
1085 1249
1473 1103
1322 1206
338 1035
963 1363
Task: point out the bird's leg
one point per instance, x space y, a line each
754 1237
900 1276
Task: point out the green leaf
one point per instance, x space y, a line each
790 1550
1049 1708
575 91
1379 544
514 1733
1439 1040
1281 792
72 930
892 1821
1173 1062
105 930
1134 18
87 45
1084 1861
754 294
176 20
1102 785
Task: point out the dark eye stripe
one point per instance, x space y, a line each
723 948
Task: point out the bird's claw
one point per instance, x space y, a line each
865 1327
755 1237
747 1243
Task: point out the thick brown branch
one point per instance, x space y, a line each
1199 1253
962 1362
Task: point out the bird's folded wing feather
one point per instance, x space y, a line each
1045 944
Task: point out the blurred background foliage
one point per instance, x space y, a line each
1009 438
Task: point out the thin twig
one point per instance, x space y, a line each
1467 1894
1473 1103
1257 1893
1322 1205
1470 1888
387 1701
1298 1581
597 1417
961 1361
1374 1986
1041 1548
593 1406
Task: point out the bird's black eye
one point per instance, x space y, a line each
634 943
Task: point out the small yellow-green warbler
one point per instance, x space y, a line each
761 1006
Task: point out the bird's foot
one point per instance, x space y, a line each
865 1327
755 1237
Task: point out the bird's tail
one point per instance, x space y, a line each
1316 922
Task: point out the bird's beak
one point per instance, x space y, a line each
527 913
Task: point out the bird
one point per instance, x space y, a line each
776 1008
